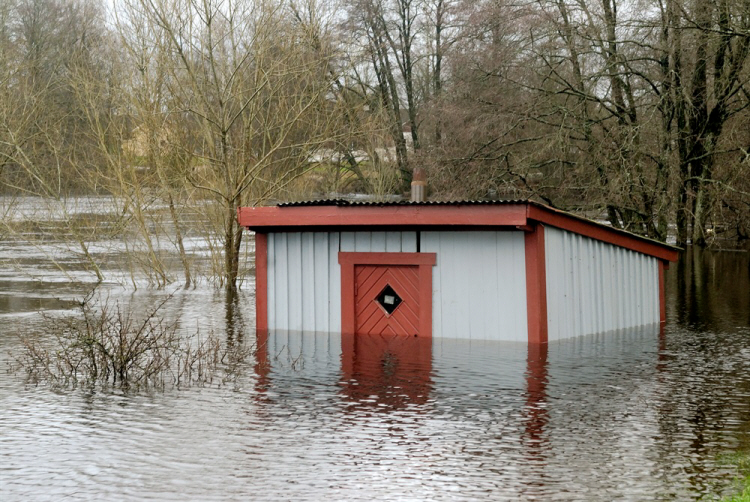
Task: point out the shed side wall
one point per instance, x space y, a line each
478 285
595 287
304 276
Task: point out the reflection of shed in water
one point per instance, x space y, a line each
501 270
379 370
387 368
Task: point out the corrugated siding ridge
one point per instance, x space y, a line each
348 202
594 287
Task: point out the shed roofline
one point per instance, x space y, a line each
521 215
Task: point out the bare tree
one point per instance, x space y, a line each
712 37
251 97
601 105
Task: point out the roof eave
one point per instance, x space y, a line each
513 214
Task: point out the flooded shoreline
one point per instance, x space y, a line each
632 415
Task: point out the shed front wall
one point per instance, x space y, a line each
595 287
478 284
304 276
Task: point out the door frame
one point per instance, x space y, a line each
425 262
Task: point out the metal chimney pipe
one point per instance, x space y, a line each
418 185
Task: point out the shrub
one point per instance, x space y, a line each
107 345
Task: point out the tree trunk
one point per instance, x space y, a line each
178 237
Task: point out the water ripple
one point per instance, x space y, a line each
625 416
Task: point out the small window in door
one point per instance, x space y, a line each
388 299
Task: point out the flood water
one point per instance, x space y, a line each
622 416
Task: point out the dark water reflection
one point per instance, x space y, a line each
637 415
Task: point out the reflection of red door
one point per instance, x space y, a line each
386 293
387 299
394 369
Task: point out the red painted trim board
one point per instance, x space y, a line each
425 298
382 216
348 326
387 258
599 232
348 260
536 286
261 282
450 216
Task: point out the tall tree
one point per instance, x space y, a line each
251 95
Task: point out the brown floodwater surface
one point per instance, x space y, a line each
636 415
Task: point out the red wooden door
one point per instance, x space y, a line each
386 293
386 299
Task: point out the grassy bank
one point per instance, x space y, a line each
741 461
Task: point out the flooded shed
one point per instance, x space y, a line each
499 270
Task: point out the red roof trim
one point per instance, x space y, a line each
566 221
258 218
460 216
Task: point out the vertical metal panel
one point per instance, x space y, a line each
308 284
377 241
347 241
484 318
553 261
362 241
479 285
393 242
409 242
321 280
304 276
595 287
653 286
608 284
599 283
628 282
512 279
281 271
334 283
594 278
294 279
433 243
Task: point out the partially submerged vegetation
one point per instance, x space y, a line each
111 346
741 461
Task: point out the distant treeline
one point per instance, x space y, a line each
635 110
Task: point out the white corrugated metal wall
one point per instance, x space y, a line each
479 282
478 285
594 287
304 276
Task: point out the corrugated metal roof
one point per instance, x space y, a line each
349 202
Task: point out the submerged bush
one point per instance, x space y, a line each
741 462
108 345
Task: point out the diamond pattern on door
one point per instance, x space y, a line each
371 284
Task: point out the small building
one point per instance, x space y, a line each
495 270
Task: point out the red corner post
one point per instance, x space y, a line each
261 282
536 285
663 265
